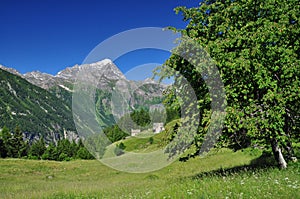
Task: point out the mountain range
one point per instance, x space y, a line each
41 104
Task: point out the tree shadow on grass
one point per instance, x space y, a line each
264 162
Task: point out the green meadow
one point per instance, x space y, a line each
220 174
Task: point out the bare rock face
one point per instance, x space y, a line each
42 80
105 68
101 73
69 73
11 70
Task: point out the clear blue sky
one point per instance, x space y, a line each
49 35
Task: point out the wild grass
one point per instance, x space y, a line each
221 174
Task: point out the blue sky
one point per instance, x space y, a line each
50 35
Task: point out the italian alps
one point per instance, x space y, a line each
41 104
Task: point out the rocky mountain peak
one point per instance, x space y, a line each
40 79
37 74
102 62
10 70
69 73
105 68
149 81
98 69
102 74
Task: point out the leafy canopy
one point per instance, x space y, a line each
255 46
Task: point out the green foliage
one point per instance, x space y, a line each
255 46
119 150
51 153
158 115
172 114
171 130
2 149
5 139
37 148
62 93
13 145
114 133
63 157
138 119
141 117
83 153
103 108
172 104
151 140
97 144
20 145
121 146
64 148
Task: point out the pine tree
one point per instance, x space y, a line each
18 145
7 142
51 153
38 148
64 149
5 138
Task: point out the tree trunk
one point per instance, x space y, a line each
278 154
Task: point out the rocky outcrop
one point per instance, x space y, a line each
10 70
103 72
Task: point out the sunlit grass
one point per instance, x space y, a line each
221 174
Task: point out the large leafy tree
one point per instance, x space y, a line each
255 46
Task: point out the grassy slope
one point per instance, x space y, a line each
141 143
197 178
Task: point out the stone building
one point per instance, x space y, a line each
134 132
158 127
